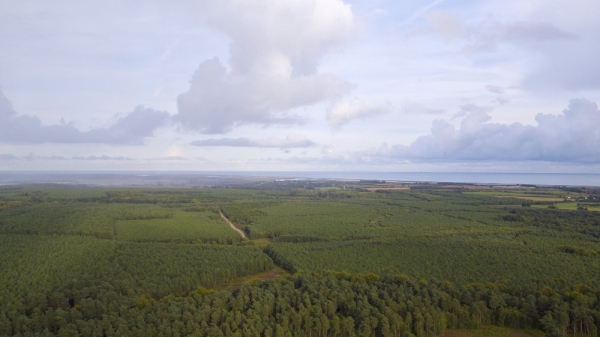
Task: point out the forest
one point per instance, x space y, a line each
321 258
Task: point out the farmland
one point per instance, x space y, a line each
321 258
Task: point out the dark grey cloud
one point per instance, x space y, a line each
573 136
131 128
292 141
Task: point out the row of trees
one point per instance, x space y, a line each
327 304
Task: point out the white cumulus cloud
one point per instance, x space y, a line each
573 136
275 49
344 112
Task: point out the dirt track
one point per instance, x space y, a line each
232 226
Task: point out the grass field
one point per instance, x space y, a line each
572 206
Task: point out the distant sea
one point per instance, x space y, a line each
569 179
220 178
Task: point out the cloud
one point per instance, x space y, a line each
7 157
132 128
6 109
293 140
502 100
573 66
563 59
32 157
570 64
102 157
495 89
535 31
275 50
470 108
418 109
171 158
346 111
573 136
328 158
486 36
559 47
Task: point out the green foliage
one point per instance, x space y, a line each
586 223
147 262
457 259
181 227
577 250
162 269
41 264
331 303
60 218
375 216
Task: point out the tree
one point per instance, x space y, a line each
549 325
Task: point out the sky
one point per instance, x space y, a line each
300 85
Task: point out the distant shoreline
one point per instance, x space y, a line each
167 178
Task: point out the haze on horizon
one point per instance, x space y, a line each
306 85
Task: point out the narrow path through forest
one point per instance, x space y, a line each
232 226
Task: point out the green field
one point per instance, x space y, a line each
573 206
